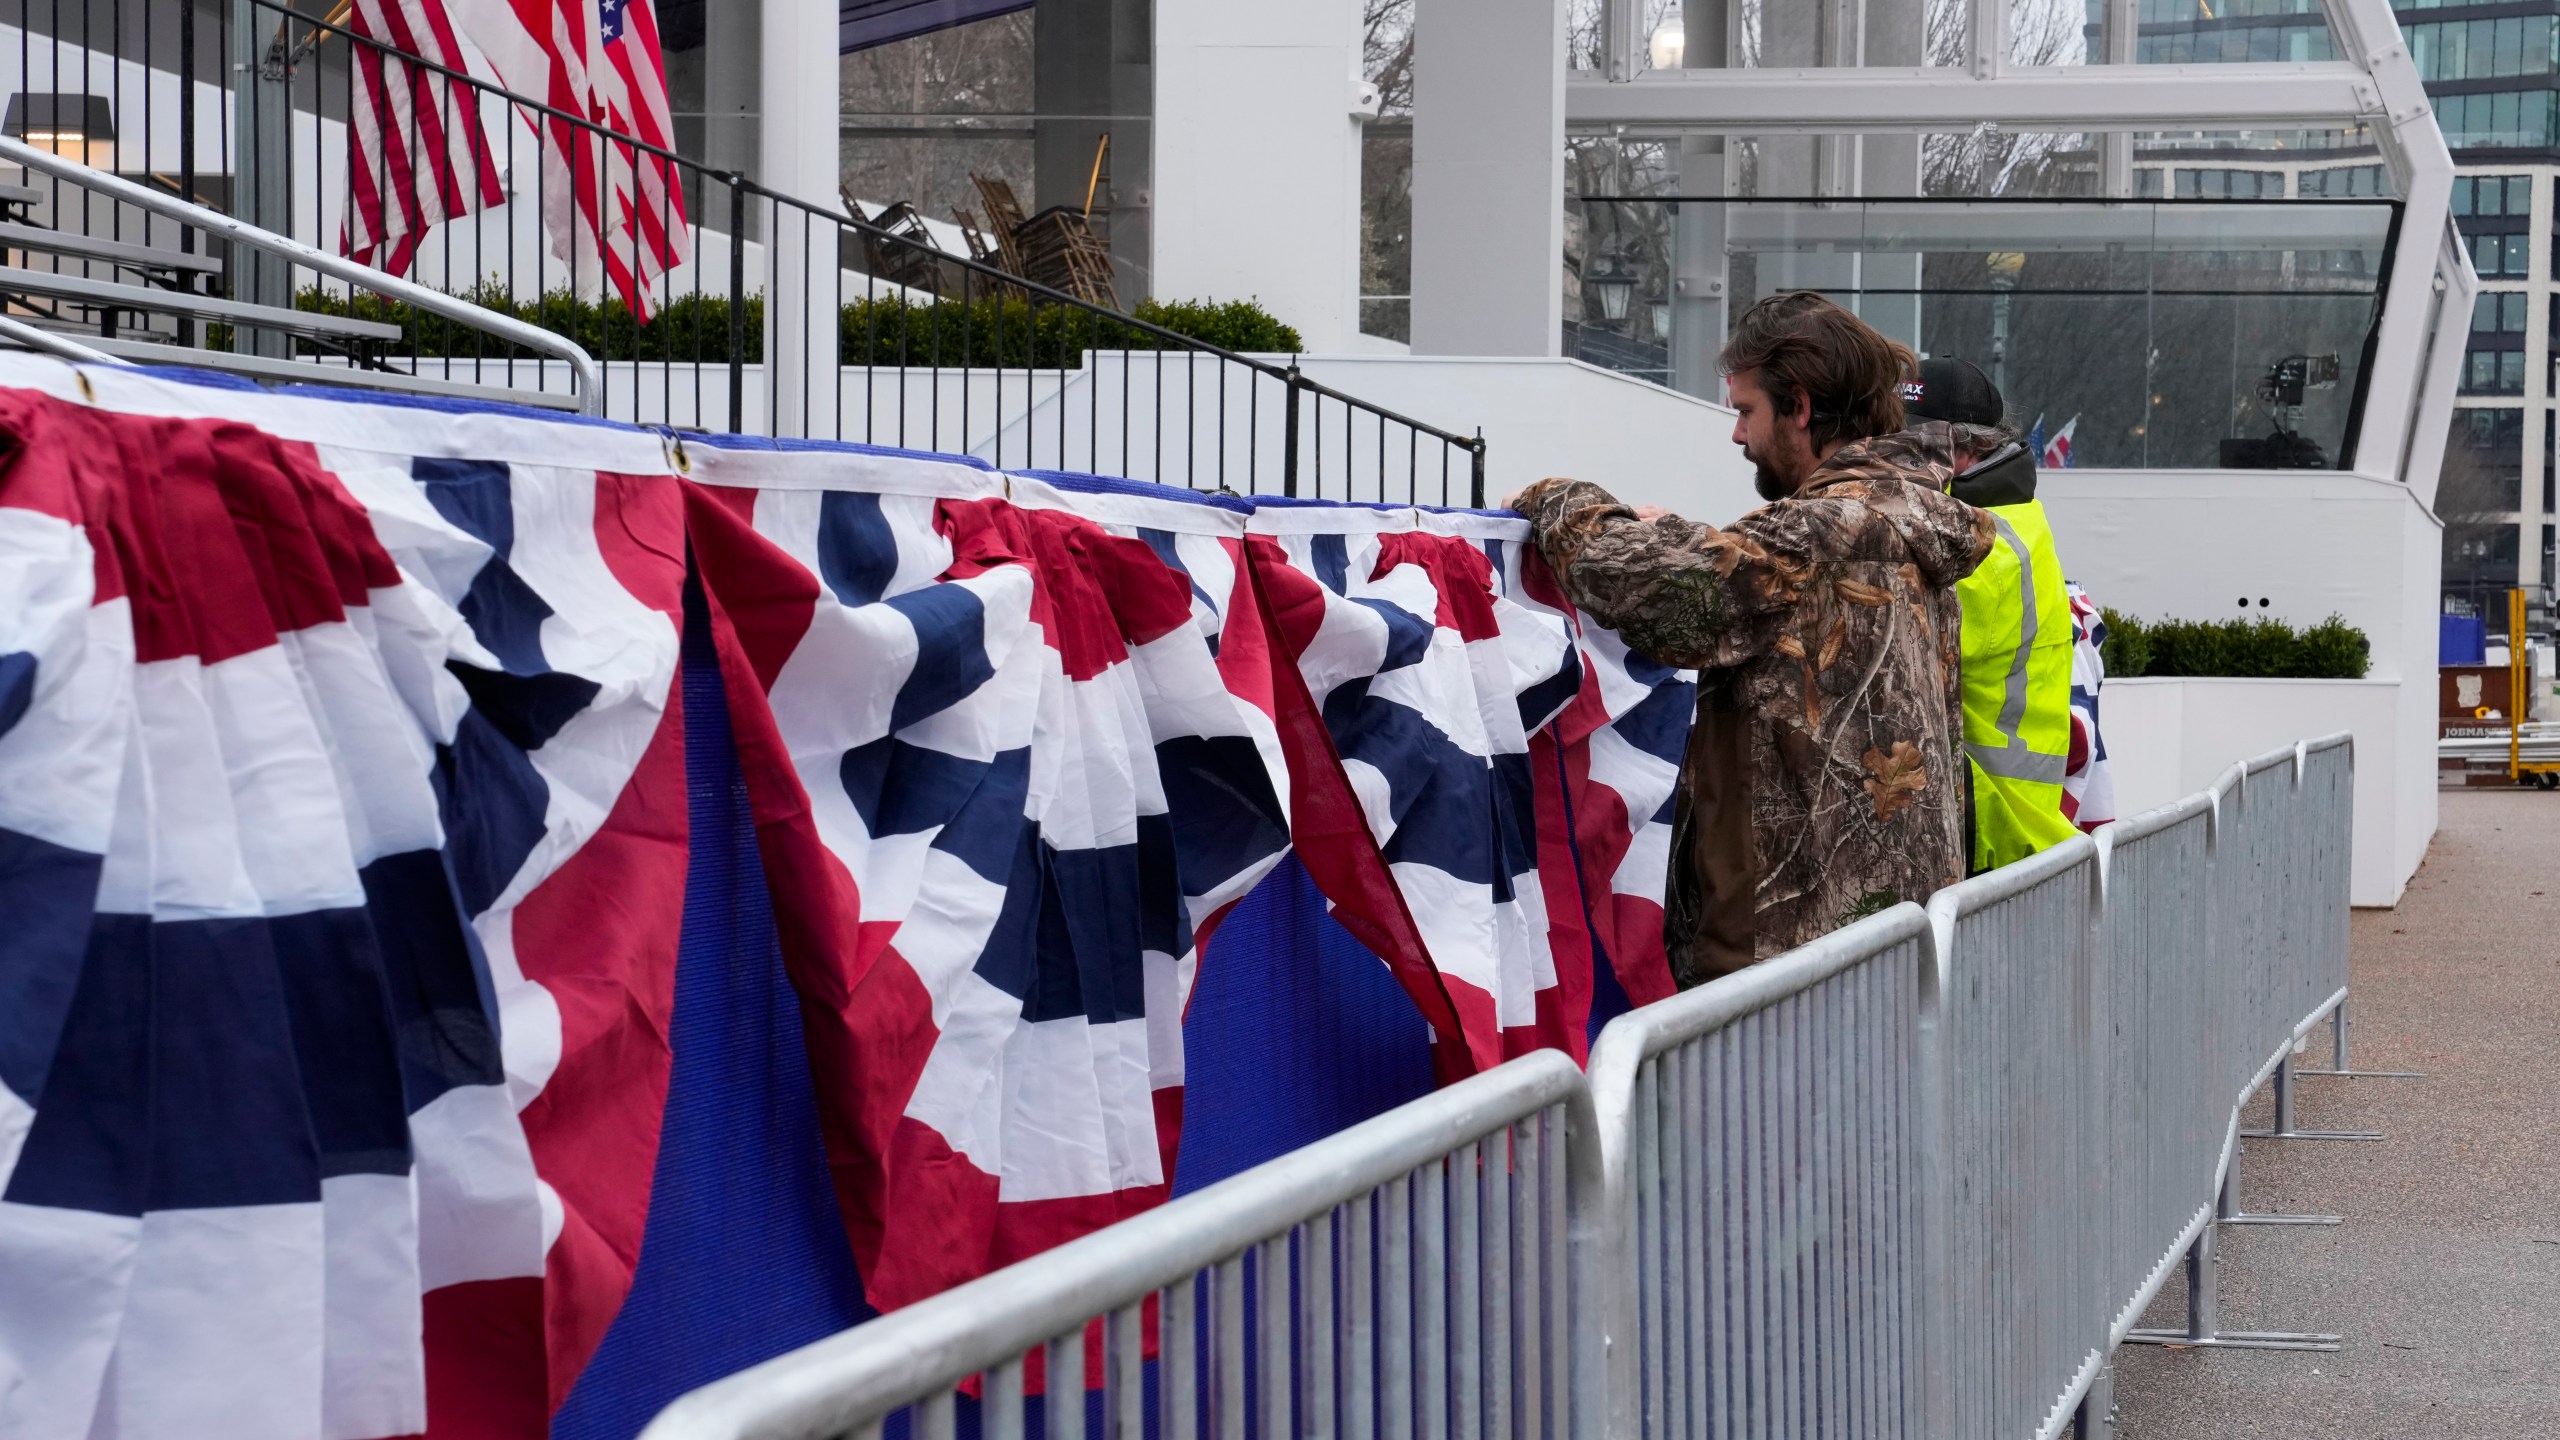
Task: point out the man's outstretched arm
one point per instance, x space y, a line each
1683 593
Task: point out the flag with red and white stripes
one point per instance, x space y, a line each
645 233
613 211
418 154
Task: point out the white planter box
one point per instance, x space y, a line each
2168 738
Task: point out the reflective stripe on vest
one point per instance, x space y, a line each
2017 688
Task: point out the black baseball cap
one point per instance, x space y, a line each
1954 390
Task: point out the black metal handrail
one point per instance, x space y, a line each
957 355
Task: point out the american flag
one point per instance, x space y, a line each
417 152
613 211
2057 451
2088 784
646 235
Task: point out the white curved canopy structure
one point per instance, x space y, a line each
1495 109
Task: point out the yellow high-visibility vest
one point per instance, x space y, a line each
2017 689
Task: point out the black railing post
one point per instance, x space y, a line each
1476 484
737 303
1289 434
186 125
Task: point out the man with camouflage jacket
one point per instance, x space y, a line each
1821 782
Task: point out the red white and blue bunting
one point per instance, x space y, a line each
344 839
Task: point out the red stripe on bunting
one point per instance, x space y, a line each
486 1373
600 935
1461 575
1629 928
1564 1012
1331 834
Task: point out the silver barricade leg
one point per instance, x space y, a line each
2228 1210
2204 1321
2096 1417
2284 1127
2338 1055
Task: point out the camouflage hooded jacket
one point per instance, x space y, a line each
1820 782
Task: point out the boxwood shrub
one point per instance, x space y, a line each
2257 648
890 330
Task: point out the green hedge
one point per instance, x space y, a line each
888 331
2261 648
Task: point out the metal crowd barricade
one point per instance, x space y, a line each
2018 1067
1418 1275
1919 1177
2167 1109
1762 1153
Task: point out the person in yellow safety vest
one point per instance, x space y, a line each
2017 640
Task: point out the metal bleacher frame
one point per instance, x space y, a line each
111 299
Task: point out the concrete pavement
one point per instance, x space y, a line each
2445 1278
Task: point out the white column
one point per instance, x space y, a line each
1701 274
1488 177
1257 159
801 128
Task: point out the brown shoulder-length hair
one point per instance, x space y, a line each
1802 344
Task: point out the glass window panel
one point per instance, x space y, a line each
2461 189
2151 322
2507 56
2175 32
922 115
2479 49
2053 32
2510 372
2520 191
2484 313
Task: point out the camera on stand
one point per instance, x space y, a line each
2280 391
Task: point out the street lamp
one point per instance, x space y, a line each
1615 288
1670 42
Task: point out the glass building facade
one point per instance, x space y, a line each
2493 72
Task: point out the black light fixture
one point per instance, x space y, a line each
1614 287
75 127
